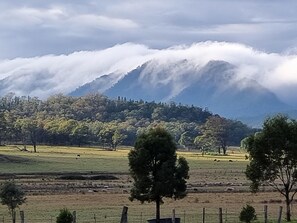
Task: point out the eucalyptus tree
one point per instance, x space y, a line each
273 157
156 171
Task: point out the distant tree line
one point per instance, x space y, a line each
97 120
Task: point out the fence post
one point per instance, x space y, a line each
280 214
220 215
95 218
203 215
265 214
173 215
226 215
22 215
74 216
124 218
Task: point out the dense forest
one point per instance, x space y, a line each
97 120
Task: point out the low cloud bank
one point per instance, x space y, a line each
52 74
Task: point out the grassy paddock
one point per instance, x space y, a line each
209 172
108 207
63 159
57 159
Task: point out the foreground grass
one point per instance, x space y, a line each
107 207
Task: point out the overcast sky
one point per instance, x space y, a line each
32 28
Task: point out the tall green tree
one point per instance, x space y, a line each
12 196
80 134
106 134
186 140
219 132
273 156
30 129
117 138
156 171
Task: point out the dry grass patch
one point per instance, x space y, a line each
108 206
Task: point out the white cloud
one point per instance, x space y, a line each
64 73
42 76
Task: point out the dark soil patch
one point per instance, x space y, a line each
13 159
95 177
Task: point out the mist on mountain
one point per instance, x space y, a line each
227 78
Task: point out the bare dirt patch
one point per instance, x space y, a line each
13 159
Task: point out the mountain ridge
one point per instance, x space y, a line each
214 86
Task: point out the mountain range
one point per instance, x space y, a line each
214 86
228 79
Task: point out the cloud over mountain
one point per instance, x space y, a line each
51 74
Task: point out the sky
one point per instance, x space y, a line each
33 28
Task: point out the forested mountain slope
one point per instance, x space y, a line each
96 119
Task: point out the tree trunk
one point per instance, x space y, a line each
288 213
34 146
13 216
158 202
224 150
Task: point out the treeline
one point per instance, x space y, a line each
96 120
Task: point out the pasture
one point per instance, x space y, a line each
57 177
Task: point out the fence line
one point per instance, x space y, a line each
204 215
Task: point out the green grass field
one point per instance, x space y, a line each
66 159
209 172
63 159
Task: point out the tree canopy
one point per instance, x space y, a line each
97 120
273 156
155 169
218 132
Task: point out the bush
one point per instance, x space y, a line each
247 214
65 216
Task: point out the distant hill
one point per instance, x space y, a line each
100 84
214 85
247 87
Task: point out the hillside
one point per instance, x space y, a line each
97 120
240 83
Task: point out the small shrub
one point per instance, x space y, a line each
247 214
65 216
